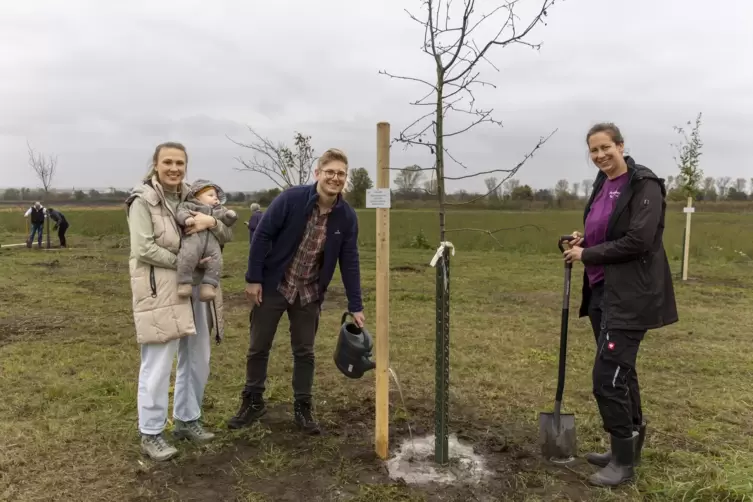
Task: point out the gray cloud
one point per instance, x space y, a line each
100 83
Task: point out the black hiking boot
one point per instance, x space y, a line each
304 419
252 408
620 469
602 459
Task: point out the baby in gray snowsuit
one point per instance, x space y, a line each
205 197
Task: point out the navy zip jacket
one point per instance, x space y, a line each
280 232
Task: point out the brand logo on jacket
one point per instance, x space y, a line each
610 345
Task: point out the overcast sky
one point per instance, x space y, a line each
101 83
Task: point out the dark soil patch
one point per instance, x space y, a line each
48 264
406 268
10 296
284 465
26 328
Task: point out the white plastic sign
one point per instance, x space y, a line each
378 198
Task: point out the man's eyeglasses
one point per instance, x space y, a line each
331 173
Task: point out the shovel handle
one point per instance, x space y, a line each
564 324
565 238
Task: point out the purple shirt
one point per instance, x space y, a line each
598 220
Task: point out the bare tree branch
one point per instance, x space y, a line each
456 55
412 79
43 167
511 172
284 166
491 233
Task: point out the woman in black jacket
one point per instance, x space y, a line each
627 290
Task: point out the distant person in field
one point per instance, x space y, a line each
305 232
208 198
167 324
61 224
627 290
37 213
253 222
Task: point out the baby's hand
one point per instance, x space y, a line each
232 213
190 221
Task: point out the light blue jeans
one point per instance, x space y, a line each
36 227
190 379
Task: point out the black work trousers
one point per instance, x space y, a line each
615 380
62 228
263 320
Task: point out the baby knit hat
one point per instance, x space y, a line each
199 186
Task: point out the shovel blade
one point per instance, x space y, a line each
557 443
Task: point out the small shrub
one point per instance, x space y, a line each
419 241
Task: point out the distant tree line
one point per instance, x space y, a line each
410 185
112 196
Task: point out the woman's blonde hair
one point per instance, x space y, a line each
155 157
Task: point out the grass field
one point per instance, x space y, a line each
69 363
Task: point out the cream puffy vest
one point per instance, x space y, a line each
159 314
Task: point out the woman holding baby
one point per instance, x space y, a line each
167 322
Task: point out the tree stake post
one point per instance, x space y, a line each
441 261
689 210
47 224
380 199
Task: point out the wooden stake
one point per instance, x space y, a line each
47 224
686 251
382 340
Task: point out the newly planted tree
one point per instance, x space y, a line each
285 166
44 168
458 50
688 159
689 178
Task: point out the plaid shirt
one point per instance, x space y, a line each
302 276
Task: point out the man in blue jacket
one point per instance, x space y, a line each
300 239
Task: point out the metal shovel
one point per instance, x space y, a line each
557 430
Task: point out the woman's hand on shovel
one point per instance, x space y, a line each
573 254
577 239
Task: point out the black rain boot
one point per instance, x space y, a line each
304 419
620 469
252 408
599 459
602 459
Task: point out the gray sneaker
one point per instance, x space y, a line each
155 446
193 431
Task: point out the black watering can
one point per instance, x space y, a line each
353 350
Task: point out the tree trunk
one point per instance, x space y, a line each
440 154
442 349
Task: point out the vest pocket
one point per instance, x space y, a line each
152 281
